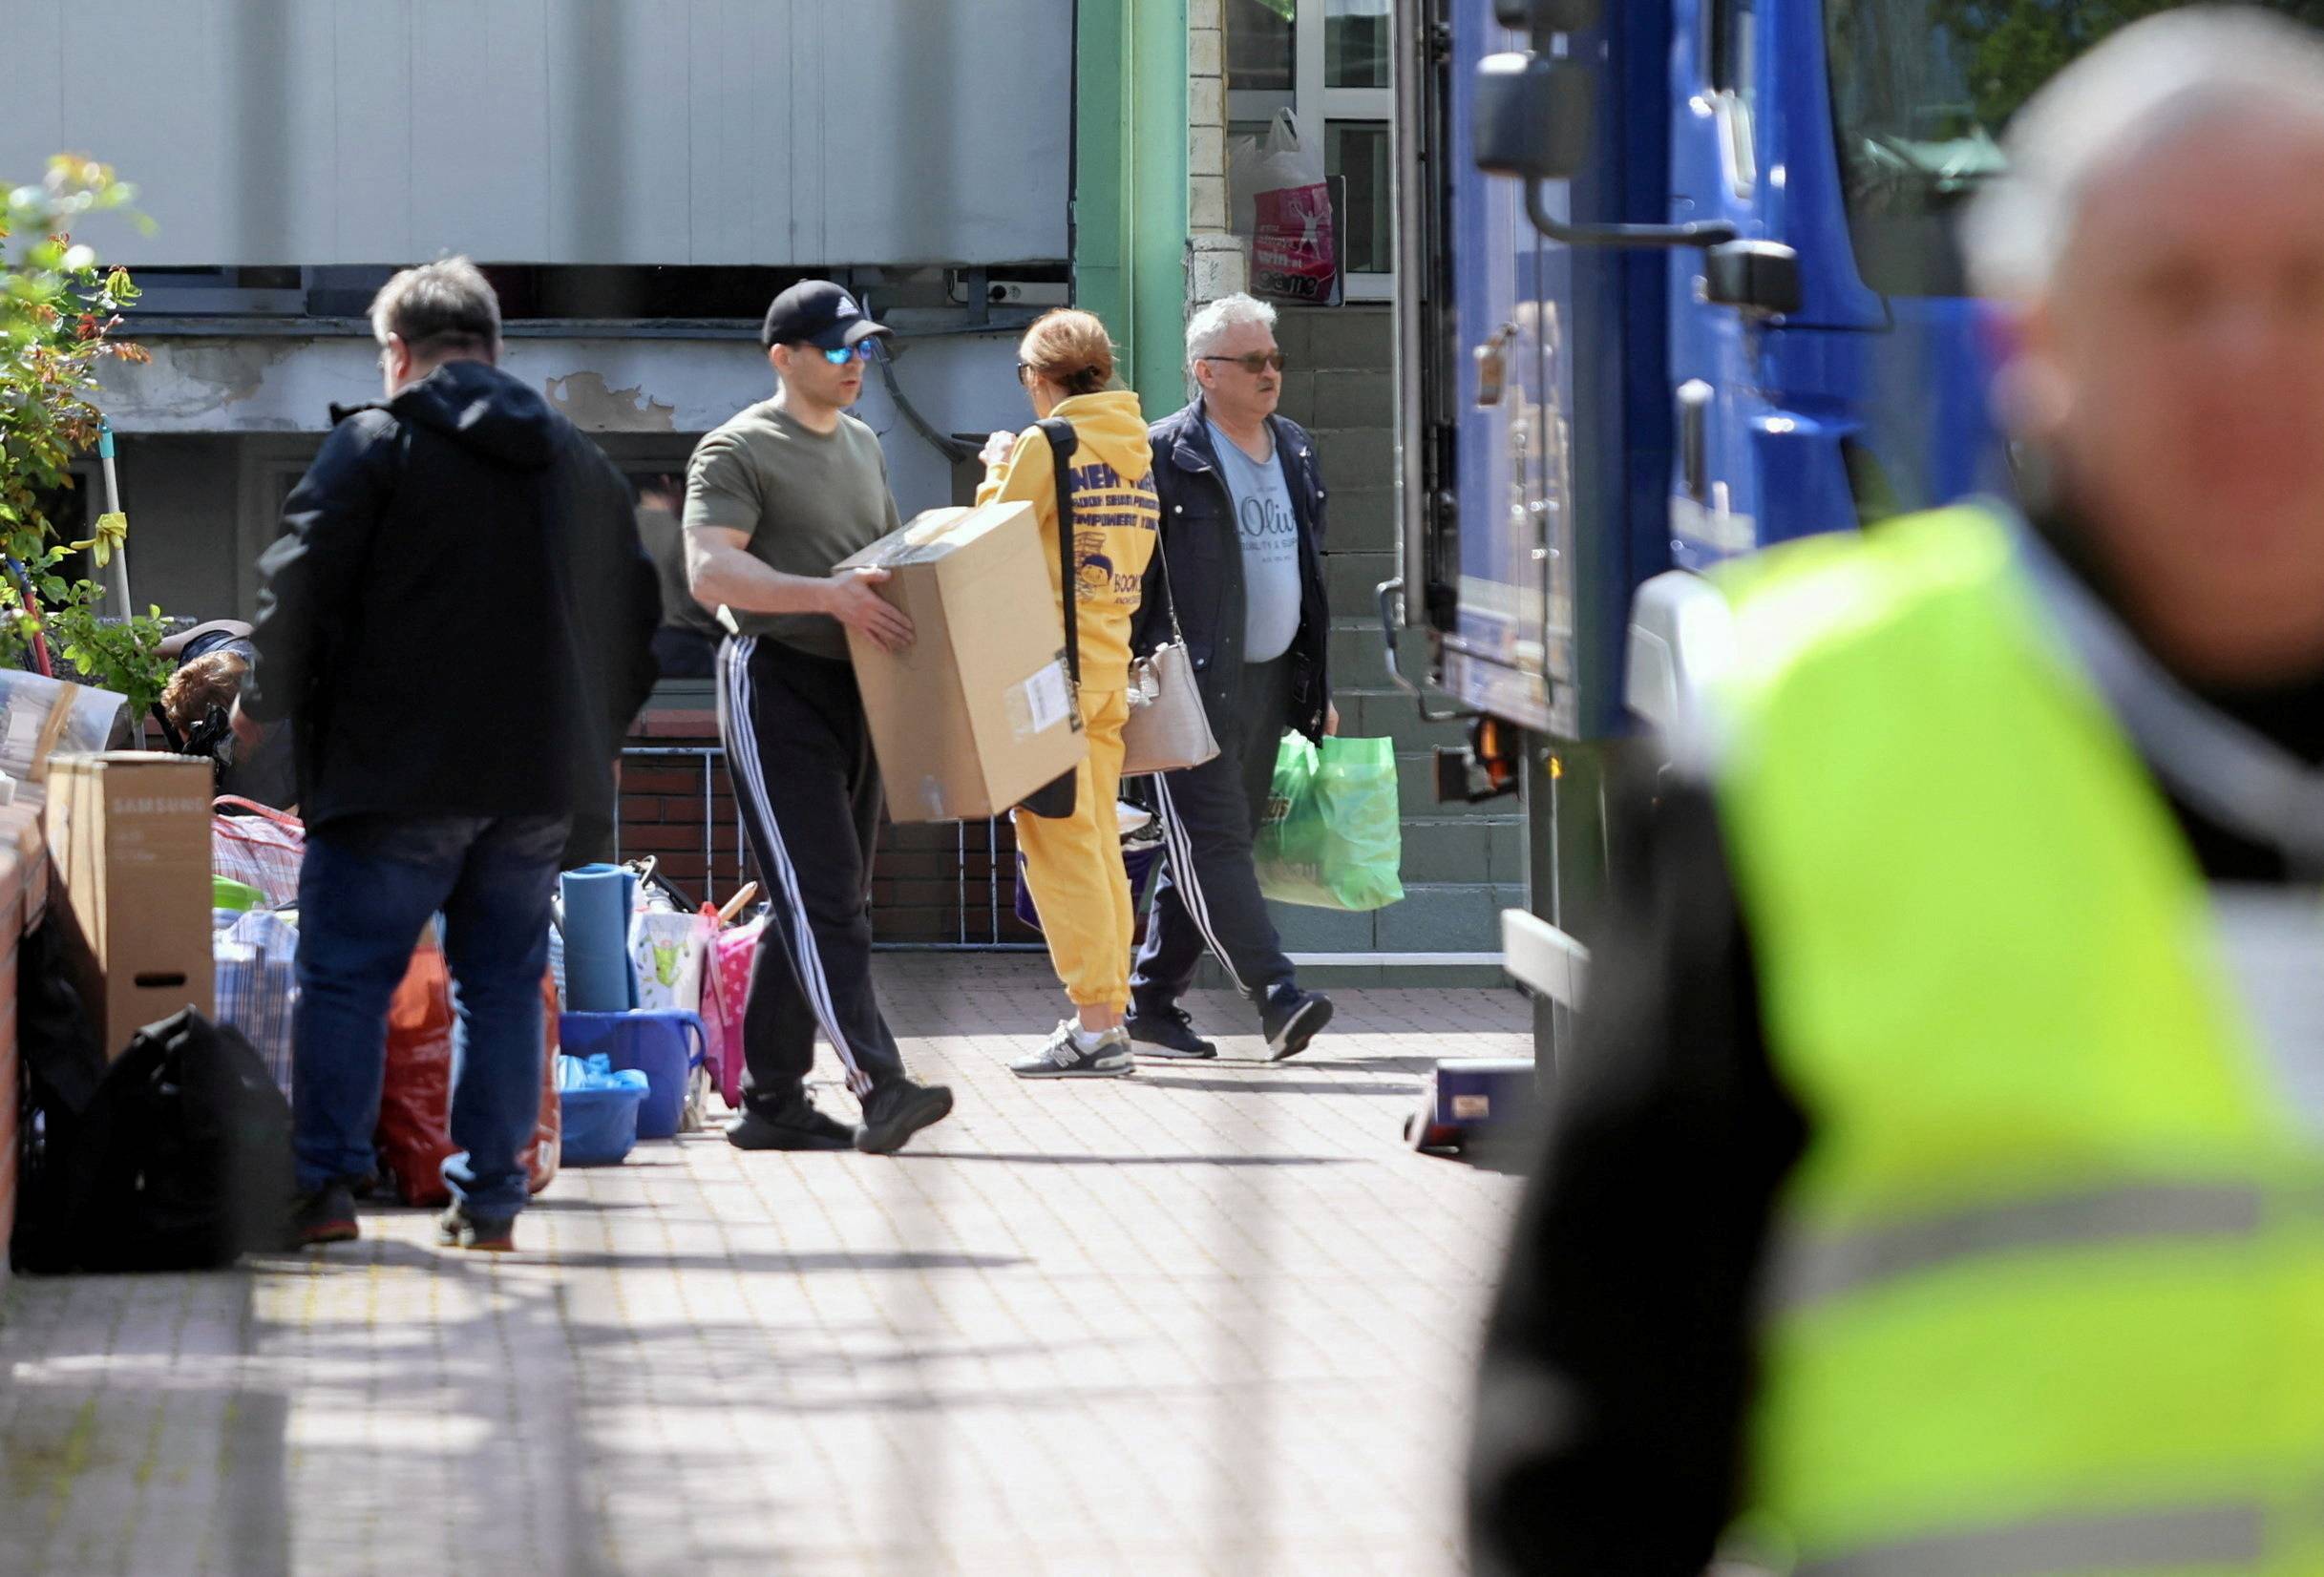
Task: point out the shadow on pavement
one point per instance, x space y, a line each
1026 1159
1276 1086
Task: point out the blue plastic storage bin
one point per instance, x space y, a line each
598 1111
665 1045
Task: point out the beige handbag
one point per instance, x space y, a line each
1168 730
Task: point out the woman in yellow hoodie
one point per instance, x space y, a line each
1074 863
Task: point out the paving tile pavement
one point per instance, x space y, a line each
1212 1319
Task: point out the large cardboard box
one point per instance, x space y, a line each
129 846
979 711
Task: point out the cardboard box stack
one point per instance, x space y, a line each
129 842
979 711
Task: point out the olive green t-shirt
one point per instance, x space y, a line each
806 499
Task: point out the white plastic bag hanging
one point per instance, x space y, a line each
668 951
1282 206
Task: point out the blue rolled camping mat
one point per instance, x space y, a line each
598 974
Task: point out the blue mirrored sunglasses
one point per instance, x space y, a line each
862 350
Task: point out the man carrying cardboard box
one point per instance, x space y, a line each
775 499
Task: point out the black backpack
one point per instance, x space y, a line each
177 1157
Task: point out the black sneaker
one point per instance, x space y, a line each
1291 1018
456 1228
894 1112
1065 1057
794 1125
1166 1032
325 1214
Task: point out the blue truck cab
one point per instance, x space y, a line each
1680 281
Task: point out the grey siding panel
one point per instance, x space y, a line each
32 74
759 132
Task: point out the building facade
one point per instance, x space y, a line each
638 178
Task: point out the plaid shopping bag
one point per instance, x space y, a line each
263 847
258 986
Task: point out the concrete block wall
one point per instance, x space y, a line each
1462 863
1206 105
945 883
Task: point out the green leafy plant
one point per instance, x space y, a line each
59 310
120 655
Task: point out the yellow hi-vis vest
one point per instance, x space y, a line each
2047 1290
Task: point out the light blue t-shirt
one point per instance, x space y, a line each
1270 536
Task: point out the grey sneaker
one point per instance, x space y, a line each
1064 1056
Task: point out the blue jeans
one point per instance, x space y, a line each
367 887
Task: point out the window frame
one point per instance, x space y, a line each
1315 106
1731 98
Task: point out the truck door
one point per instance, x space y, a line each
1762 400
1484 382
1715 504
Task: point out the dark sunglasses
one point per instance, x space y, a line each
862 350
1256 363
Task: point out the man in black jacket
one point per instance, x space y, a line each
1242 531
459 616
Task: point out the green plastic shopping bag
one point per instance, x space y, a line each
1331 838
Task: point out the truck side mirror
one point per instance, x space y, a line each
1548 15
1533 117
1759 277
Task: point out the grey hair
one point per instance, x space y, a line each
1207 327
447 301
2134 91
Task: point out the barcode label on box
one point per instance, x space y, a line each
1049 700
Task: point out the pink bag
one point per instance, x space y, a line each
261 849
726 986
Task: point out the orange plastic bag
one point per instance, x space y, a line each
415 1134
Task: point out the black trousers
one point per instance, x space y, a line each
799 752
1209 898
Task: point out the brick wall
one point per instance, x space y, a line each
942 883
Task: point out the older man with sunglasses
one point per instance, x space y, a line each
775 499
1242 524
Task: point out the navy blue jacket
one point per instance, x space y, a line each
1206 568
459 614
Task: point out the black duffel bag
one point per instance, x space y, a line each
176 1158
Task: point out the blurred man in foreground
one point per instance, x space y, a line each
1938 1190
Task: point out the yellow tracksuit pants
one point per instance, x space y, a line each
1073 865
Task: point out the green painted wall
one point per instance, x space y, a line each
1131 185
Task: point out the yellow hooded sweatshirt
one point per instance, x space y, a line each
1115 518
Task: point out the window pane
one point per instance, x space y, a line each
1261 36
1358 151
1738 73
1356 43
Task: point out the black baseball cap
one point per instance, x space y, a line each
819 313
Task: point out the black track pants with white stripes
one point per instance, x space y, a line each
1209 900
799 752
